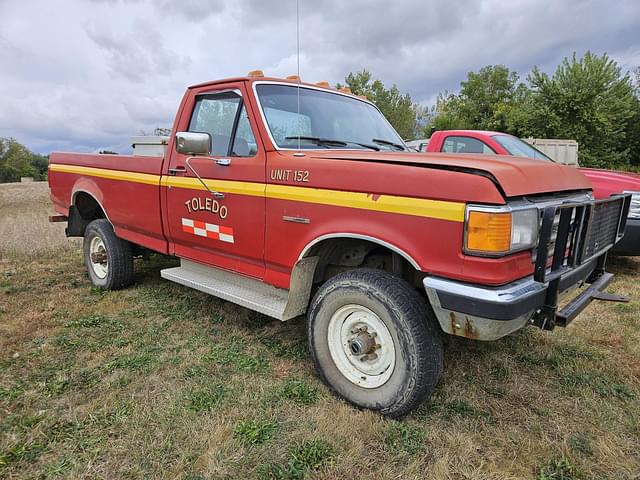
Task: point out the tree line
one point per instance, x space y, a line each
17 161
588 99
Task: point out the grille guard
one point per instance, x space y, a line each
577 227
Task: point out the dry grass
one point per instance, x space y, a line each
24 225
158 381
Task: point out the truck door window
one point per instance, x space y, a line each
224 117
244 143
455 144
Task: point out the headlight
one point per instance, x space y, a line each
634 208
495 231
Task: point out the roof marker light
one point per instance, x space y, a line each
293 78
323 84
344 89
256 73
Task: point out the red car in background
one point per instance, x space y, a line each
605 182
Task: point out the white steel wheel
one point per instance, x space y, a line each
98 257
108 259
361 346
374 341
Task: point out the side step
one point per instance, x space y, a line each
244 291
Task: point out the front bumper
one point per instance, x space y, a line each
630 243
489 313
572 249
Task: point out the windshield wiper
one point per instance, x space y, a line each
387 142
330 141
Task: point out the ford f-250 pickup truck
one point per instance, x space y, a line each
291 198
603 182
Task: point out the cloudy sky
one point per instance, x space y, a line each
85 75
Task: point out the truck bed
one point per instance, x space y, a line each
113 180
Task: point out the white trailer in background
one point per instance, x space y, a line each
149 145
562 151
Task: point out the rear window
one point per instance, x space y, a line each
460 144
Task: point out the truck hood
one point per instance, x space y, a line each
515 176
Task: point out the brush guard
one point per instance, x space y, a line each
583 232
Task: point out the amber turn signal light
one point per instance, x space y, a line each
488 232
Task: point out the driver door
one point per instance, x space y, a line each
221 224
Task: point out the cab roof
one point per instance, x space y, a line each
252 79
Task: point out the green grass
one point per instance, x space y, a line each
256 432
236 359
560 469
159 381
299 392
302 460
581 443
598 383
404 438
206 399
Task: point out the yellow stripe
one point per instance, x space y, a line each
225 186
384 203
453 211
104 173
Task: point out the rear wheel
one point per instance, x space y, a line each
374 341
108 259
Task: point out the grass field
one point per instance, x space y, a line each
158 381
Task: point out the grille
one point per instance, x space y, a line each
604 227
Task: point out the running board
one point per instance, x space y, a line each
248 292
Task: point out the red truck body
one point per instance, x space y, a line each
291 198
346 193
604 182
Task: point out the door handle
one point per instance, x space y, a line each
177 170
225 162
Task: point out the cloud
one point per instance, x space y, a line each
85 76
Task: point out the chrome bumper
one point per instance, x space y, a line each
489 313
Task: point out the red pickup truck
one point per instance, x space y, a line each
604 182
291 198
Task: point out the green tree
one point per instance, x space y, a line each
633 126
40 164
15 161
397 107
487 100
588 100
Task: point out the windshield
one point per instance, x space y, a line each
518 148
325 120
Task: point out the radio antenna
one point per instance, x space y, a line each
298 62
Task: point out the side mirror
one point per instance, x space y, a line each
193 143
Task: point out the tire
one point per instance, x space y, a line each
398 379
113 269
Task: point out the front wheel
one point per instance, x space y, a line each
108 259
374 341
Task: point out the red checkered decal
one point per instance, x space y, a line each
209 230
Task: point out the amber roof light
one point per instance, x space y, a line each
323 84
293 78
256 73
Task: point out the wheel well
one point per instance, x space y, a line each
337 255
84 209
88 207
